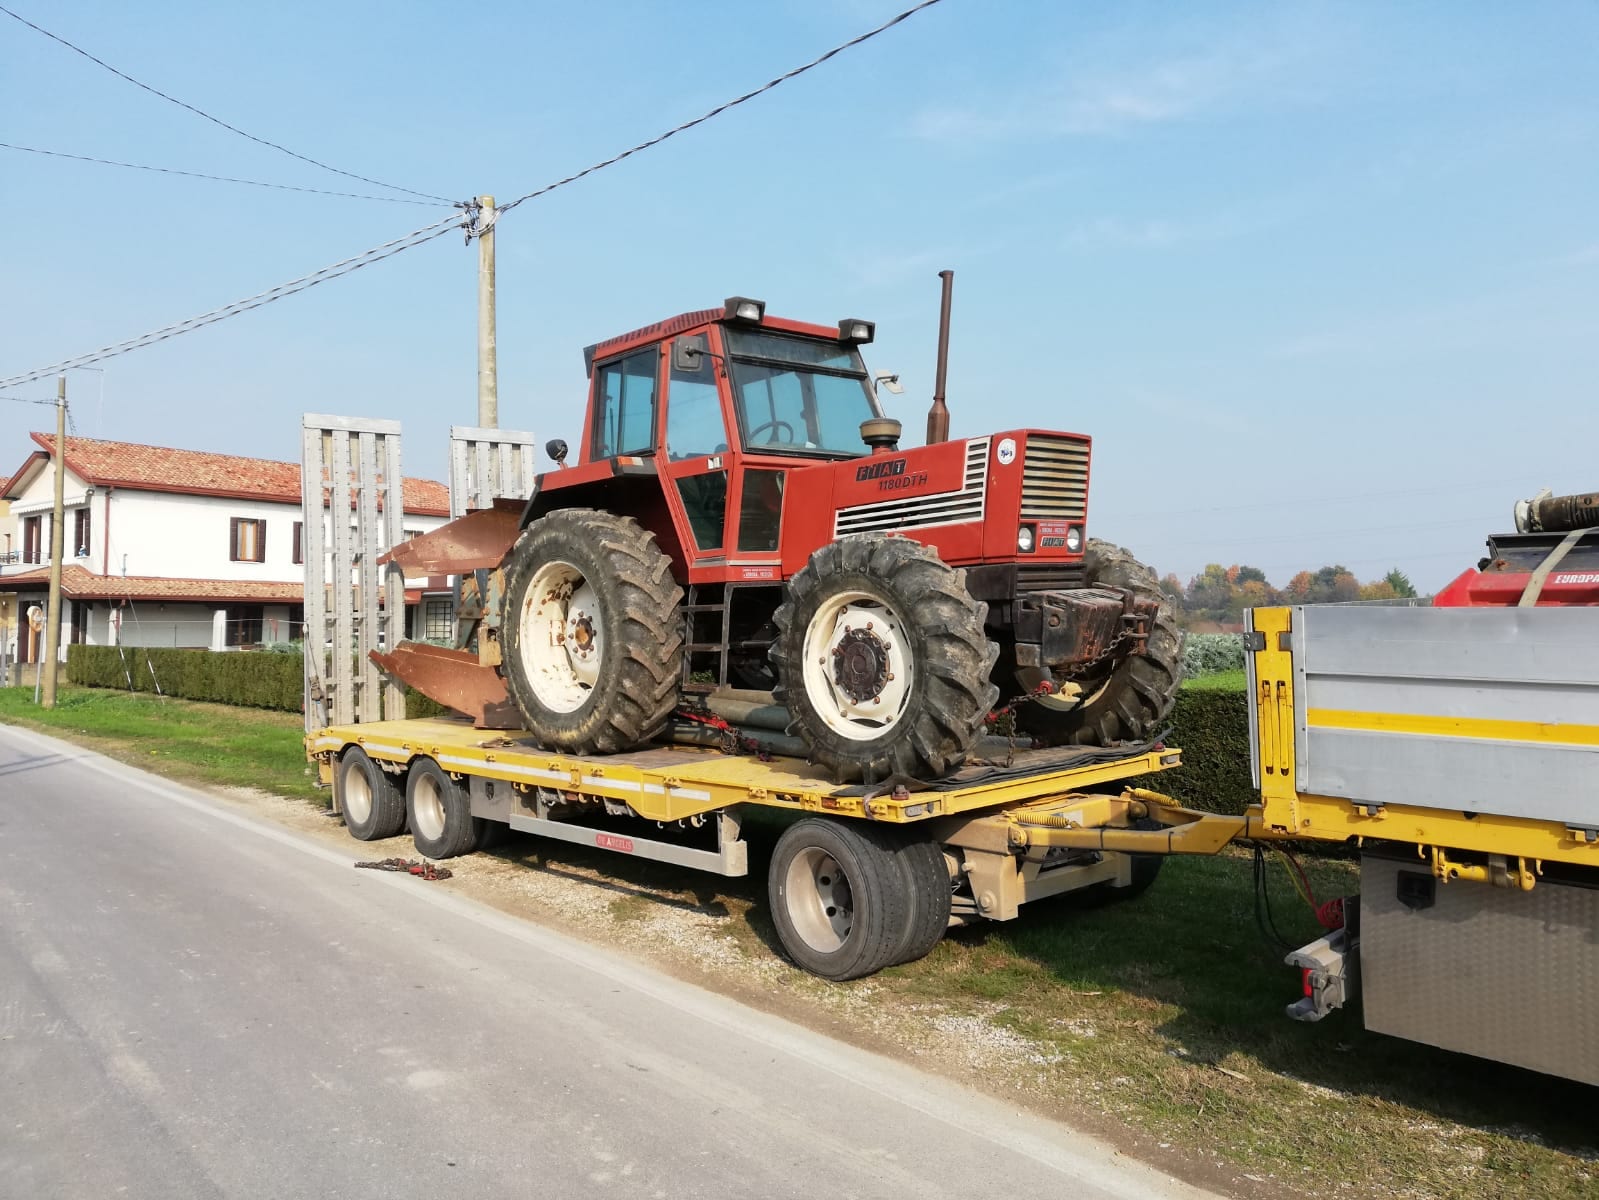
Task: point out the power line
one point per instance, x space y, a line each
27 400
722 108
282 187
333 271
215 120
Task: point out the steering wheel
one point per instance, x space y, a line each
774 425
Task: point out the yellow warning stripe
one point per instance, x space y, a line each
1552 732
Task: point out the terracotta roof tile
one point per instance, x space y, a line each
79 584
164 469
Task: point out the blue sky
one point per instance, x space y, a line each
1322 280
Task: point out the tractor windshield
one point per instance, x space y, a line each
798 395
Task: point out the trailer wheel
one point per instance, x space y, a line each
882 659
1145 870
839 897
927 882
592 632
372 805
1136 695
440 812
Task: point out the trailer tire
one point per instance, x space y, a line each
1145 869
927 882
488 833
371 804
1134 700
839 898
907 697
592 632
440 812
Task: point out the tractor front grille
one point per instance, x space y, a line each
924 512
1055 479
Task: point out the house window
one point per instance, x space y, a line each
438 622
32 539
299 541
244 622
80 531
408 534
247 540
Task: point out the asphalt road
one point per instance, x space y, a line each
194 1003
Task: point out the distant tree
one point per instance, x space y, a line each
1172 586
1401 584
1345 587
1379 589
1249 575
1300 587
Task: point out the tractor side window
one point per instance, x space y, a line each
760 515
625 405
694 417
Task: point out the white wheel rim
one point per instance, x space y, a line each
858 670
560 638
357 796
427 808
820 901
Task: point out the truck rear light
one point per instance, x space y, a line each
1309 980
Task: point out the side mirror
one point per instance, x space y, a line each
688 354
556 449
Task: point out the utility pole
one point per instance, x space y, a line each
52 628
488 370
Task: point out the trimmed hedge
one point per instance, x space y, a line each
1211 726
244 678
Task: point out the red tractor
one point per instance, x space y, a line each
725 527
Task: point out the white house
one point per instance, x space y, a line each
169 547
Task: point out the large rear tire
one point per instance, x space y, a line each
592 632
1133 701
882 660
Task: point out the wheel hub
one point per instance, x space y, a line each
860 664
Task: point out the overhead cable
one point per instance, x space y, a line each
333 271
215 120
722 108
282 187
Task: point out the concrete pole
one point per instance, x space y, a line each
488 368
52 627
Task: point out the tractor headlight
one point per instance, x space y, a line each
1024 539
1074 539
852 331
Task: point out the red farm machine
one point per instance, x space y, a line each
740 519
1552 560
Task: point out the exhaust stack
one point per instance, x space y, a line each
938 415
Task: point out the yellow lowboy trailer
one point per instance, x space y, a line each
864 878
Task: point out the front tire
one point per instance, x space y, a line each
1133 700
882 660
592 632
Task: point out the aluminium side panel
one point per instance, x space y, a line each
1475 710
1499 973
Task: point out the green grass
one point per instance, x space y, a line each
1221 681
181 739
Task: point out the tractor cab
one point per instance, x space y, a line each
722 405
